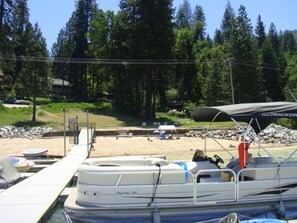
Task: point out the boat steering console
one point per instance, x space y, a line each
216 159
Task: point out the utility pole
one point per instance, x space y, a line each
64 112
231 79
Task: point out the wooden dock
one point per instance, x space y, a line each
30 200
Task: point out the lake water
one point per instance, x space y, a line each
57 216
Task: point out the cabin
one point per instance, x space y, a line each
59 89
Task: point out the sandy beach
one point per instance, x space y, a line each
176 149
112 146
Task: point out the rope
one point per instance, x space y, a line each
156 185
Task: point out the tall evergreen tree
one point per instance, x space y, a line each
183 50
260 32
291 72
270 72
216 86
199 23
128 80
20 23
34 77
6 45
147 23
218 37
274 39
83 15
183 17
247 82
6 8
100 47
228 22
288 43
61 49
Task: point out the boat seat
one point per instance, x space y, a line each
199 156
211 179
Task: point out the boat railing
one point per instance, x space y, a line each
203 177
262 175
223 175
266 173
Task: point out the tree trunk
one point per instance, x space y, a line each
34 110
148 94
1 15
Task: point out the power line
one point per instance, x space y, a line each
133 61
96 61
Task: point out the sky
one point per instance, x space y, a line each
52 15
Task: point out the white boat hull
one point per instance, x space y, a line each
184 213
142 189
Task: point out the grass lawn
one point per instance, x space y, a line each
52 115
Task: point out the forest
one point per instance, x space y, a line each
148 57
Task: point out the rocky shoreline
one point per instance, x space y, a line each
21 132
272 134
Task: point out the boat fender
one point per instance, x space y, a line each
184 165
243 154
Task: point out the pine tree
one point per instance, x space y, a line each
63 48
6 45
34 77
247 82
145 25
6 8
260 32
82 17
270 72
288 43
228 22
291 72
216 85
199 23
100 47
218 37
20 23
183 17
128 80
274 39
185 73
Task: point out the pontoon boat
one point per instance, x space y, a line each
146 189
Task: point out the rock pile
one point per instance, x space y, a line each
21 132
272 134
278 134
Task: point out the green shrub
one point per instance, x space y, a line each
106 106
43 101
41 113
189 107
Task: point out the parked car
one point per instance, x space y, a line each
22 102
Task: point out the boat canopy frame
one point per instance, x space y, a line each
256 115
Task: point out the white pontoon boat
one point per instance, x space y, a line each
145 189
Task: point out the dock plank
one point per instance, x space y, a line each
30 199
